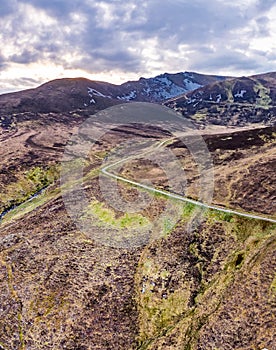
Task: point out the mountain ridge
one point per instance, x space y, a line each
82 93
235 101
211 100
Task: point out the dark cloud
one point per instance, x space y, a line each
28 80
14 84
103 61
3 66
189 21
25 57
262 24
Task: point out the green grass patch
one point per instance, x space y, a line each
264 99
158 310
162 309
27 184
188 209
107 216
228 217
47 195
168 226
273 285
199 116
31 205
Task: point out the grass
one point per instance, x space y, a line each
157 311
221 216
264 99
2 346
161 311
107 216
168 226
14 294
31 205
27 184
188 209
46 196
199 116
273 285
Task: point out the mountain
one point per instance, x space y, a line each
236 101
63 95
205 99
166 86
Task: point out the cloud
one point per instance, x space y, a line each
234 61
265 5
56 8
24 57
9 84
145 37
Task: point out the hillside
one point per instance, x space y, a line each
236 101
64 95
197 282
166 86
202 98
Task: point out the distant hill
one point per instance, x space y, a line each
205 99
166 86
236 101
63 95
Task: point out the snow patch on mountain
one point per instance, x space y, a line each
162 88
191 100
93 92
240 94
128 97
156 89
190 85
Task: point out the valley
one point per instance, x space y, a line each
112 259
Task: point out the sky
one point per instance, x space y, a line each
116 40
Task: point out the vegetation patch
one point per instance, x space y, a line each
27 185
199 116
239 259
165 287
30 205
264 99
228 90
107 216
273 285
159 307
188 209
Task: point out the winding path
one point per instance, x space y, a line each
105 171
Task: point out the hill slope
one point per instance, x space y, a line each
235 101
202 286
65 95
